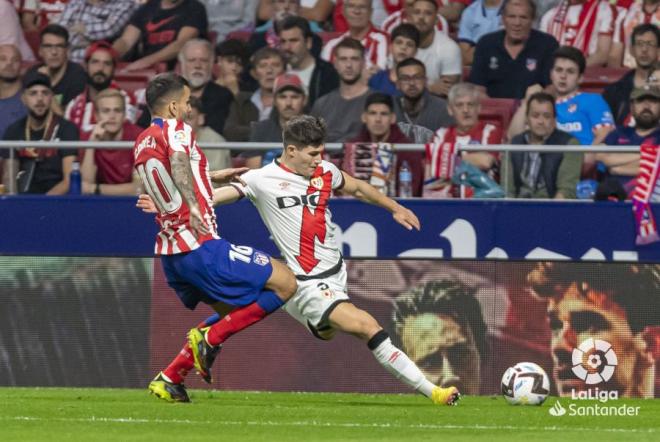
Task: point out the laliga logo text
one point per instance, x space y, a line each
594 361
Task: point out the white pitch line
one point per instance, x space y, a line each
130 420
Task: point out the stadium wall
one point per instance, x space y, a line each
107 318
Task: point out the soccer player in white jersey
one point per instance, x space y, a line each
291 195
198 264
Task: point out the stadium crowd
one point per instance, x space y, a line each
435 72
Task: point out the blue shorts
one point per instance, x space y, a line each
218 271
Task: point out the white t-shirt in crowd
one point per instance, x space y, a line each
442 57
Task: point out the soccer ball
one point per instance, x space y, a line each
525 384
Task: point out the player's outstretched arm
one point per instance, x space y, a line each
184 181
225 195
369 194
226 176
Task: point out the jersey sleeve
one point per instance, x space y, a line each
179 137
337 175
249 189
600 114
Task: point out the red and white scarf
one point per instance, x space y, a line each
586 24
371 162
441 160
648 187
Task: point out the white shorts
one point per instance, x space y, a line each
316 298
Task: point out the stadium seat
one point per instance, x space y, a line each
596 78
33 39
239 35
133 81
327 36
157 68
498 111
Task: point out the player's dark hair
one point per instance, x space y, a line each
295 21
57 30
163 86
379 98
542 97
406 30
410 62
634 287
304 130
531 4
570 53
349 43
233 48
264 53
448 297
643 29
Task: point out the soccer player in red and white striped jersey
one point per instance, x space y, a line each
198 264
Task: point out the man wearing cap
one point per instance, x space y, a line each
100 63
290 100
39 170
645 108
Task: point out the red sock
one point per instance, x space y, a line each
234 322
180 366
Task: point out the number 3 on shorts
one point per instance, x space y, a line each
242 253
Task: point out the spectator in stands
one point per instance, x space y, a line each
586 116
464 106
226 16
100 63
639 13
417 105
542 174
645 108
159 29
39 170
318 76
37 14
231 59
404 15
645 41
440 325
452 10
196 59
343 107
11 105
67 78
313 10
360 28
507 62
289 101
217 158
587 25
268 34
480 18
93 20
379 126
404 44
11 32
248 107
439 53
110 171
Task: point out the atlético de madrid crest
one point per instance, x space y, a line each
531 64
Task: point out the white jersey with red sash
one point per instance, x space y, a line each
376 47
152 152
295 211
579 25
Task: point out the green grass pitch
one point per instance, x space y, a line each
72 414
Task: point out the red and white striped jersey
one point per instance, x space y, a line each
295 211
376 47
152 152
395 19
482 133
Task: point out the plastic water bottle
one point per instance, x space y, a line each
405 180
75 185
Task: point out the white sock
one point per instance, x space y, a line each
399 364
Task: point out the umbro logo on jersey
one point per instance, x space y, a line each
286 202
154 26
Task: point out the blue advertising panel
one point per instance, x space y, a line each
520 230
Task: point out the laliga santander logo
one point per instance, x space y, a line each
594 361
